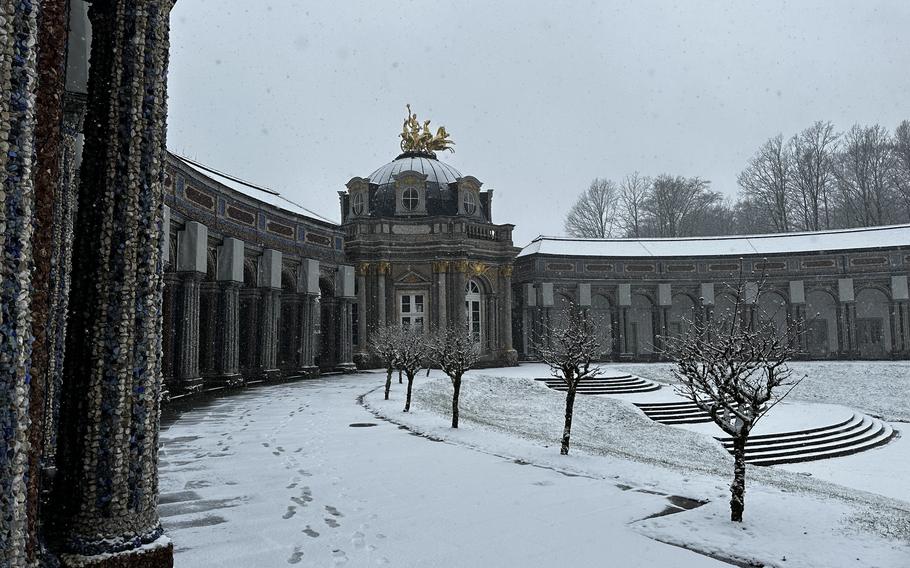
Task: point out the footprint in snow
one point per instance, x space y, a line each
331 522
296 557
310 532
292 510
339 557
357 539
333 511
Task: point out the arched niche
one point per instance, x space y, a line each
873 323
821 324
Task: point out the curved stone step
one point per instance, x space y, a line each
793 439
779 435
885 435
851 437
623 384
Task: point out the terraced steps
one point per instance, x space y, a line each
674 412
857 434
621 384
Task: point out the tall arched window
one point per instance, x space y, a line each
473 309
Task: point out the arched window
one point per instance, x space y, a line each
470 202
473 310
357 203
410 199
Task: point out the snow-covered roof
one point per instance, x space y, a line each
259 193
740 245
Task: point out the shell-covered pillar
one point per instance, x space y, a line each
18 35
106 493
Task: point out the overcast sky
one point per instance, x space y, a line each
539 97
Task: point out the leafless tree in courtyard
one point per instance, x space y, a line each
412 354
633 191
455 351
569 347
593 214
812 152
384 343
674 204
766 180
733 367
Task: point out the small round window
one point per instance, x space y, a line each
410 199
470 202
357 203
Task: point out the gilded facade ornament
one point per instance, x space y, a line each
363 268
417 138
478 268
505 271
383 267
441 266
460 265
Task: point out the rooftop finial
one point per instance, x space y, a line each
417 138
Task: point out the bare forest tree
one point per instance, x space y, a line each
902 166
766 181
812 174
413 351
864 172
633 192
673 205
593 214
384 342
454 349
733 368
569 347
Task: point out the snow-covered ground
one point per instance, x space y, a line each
277 475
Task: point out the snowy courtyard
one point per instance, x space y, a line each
327 473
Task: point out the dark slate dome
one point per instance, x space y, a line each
441 193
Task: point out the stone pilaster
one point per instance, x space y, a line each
363 352
441 268
106 493
308 317
383 269
344 337
461 268
505 285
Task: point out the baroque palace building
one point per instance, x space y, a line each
131 275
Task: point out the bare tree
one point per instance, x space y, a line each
633 192
865 177
569 348
731 367
455 351
593 214
812 174
384 342
412 352
766 180
673 204
902 167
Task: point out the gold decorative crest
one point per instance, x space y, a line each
415 138
478 268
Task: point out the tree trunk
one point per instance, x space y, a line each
407 402
567 429
738 488
399 376
456 384
388 382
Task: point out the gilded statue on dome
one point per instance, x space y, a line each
417 138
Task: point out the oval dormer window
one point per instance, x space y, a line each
410 199
470 202
357 203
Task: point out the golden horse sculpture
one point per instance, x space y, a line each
417 138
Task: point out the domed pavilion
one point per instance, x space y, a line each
426 249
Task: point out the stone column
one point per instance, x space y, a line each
308 287
168 327
847 317
624 300
106 493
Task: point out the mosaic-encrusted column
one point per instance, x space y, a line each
269 308
186 357
345 335
18 35
107 487
227 336
168 328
